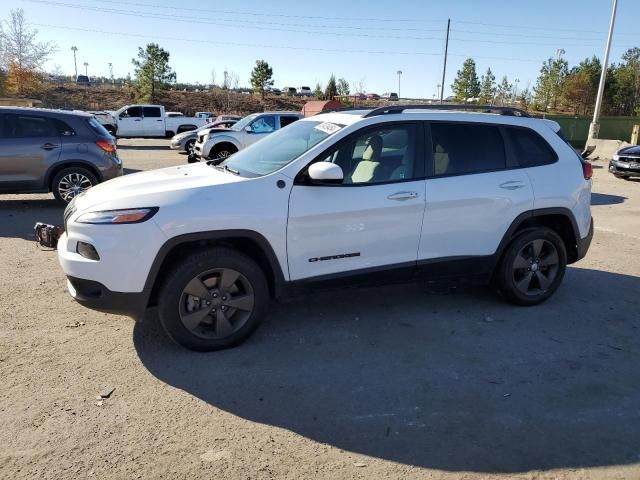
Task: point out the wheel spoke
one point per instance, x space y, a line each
524 284
198 289
537 247
228 278
244 302
192 320
550 259
223 326
543 280
520 262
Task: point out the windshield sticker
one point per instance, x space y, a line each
327 127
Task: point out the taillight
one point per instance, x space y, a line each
107 146
587 170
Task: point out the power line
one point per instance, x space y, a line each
544 29
234 23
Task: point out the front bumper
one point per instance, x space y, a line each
177 145
584 243
624 169
96 296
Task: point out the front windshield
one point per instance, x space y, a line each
244 122
280 148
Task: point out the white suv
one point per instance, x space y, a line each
220 144
392 193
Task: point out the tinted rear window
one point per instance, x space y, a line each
460 148
97 127
530 149
30 126
153 112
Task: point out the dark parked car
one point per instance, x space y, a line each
626 163
83 80
54 151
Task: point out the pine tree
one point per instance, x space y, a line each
343 87
152 70
261 77
318 92
332 89
504 91
488 88
550 83
466 84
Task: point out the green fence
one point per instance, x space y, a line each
576 129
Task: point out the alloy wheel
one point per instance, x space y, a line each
216 303
535 267
72 185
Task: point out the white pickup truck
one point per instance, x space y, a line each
150 121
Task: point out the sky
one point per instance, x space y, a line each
365 41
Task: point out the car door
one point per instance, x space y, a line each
372 219
130 122
152 122
29 145
259 128
474 192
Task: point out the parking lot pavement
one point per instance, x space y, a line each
391 382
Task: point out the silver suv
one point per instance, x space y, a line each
54 151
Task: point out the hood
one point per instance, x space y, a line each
631 150
160 186
180 136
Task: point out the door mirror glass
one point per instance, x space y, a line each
248 129
326 173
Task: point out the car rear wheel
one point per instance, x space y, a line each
532 267
188 147
213 300
70 182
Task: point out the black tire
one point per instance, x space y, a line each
191 158
188 147
222 152
525 277
207 268
77 178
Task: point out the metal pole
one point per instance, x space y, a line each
594 128
75 63
399 72
444 67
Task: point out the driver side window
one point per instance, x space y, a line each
132 112
381 155
264 125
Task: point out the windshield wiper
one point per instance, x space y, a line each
232 170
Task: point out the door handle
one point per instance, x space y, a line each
48 146
512 185
158 120
402 196
137 120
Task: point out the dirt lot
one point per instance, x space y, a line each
392 382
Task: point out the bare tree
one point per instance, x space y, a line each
20 52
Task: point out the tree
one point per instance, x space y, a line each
343 87
261 77
21 54
504 91
466 84
488 87
152 71
550 83
581 86
318 92
332 89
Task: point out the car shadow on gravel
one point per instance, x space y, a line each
606 199
17 217
455 381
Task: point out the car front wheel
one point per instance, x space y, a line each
213 300
71 182
532 267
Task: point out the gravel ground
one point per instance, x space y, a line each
356 384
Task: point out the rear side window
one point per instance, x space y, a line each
152 112
64 129
466 148
28 126
97 127
284 121
530 149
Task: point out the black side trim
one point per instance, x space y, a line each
219 235
96 296
585 243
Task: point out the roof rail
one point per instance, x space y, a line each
516 112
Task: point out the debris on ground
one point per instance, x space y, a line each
106 393
75 325
359 464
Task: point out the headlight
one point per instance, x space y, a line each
615 157
133 215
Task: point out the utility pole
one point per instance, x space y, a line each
75 63
111 72
86 69
438 91
594 128
399 72
444 67
515 90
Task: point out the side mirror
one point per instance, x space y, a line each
248 129
325 173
